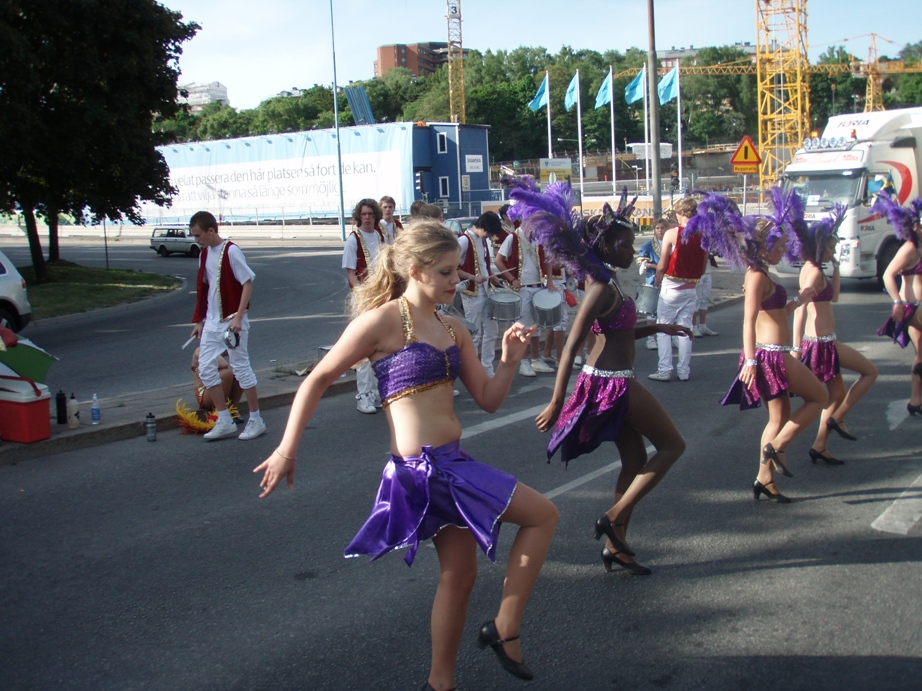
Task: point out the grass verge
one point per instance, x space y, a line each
72 288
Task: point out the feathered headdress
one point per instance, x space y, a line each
813 239
549 220
787 216
901 218
724 231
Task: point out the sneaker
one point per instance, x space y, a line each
705 330
254 428
376 401
525 369
685 378
221 430
550 362
455 393
578 362
660 376
540 365
365 404
651 343
696 331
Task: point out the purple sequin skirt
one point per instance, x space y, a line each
593 414
771 381
822 358
420 495
898 331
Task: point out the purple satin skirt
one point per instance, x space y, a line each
593 414
898 331
420 495
771 381
822 358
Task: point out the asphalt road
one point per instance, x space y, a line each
298 305
154 566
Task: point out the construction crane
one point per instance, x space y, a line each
455 63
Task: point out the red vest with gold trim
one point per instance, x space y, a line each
516 258
230 289
470 260
361 265
687 260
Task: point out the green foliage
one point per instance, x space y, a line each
908 91
834 94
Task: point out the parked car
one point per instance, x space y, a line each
459 225
15 310
166 240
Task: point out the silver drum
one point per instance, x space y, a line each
505 306
548 308
647 297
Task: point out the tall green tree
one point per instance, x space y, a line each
833 94
909 86
88 78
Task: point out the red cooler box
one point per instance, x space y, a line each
24 417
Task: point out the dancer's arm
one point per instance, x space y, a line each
904 259
753 287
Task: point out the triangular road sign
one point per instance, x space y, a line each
746 153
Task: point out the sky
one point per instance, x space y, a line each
257 49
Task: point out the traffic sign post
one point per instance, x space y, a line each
746 160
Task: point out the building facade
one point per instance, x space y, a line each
420 58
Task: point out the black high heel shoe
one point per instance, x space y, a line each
609 558
758 488
914 409
837 428
428 687
917 370
603 525
829 460
489 636
769 454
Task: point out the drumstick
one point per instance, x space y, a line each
187 343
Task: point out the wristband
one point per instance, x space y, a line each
796 349
287 458
750 362
897 302
796 300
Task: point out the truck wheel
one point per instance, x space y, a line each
883 261
194 251
163 251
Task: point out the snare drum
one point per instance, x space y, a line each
647 297
548 307
505 306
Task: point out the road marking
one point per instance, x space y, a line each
896 413
589 477
903 513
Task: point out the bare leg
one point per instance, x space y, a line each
779 412
457 552
915 335
852 360
633 453
803 383
537 518
836 389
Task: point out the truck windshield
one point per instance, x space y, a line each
822 190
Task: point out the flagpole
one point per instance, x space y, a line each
550 146
678 102
579 129
614 145
646 134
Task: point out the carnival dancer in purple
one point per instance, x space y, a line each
608 402
767 370
430 487
904 325
815 340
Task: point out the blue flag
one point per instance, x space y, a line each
540 98
669 87
604 96
572 92
635 91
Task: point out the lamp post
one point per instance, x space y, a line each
636 178
339 149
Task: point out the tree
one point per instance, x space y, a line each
833 94
79 98
909 86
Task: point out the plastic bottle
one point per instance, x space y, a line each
60 405
95 414
150 426
73 412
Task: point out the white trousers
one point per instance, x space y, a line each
486 330
211 346
675 307
365 379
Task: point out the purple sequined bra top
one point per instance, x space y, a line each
617 320
417 366
776 300
825 295
914 271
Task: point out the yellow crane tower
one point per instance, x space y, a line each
455 63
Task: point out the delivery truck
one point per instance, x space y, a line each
858 157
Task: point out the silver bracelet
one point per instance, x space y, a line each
897 302
796 349
750 362
796 300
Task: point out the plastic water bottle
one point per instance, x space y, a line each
73 412
60 404
95 414
150 426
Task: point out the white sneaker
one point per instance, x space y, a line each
376 401
651 343
540 365
254 428
525 369
705 330
660 376
365 404
221 430
685 378
696 331
455 393
578 362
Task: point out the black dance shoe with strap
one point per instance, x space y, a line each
603 525
770 455
828 460
758 489
428 687
838 429
914 409
632 567
489 636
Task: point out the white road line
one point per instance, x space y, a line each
588 477
903 513
896 413
498 422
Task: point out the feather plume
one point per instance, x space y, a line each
813 239
900 218
722 228
787 216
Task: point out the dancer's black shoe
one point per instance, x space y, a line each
489 636
758 488
914 409
603 525
841 431
609 558
829 460
769 454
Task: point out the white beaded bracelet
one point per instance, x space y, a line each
750 362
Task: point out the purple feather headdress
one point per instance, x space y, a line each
900 218
787 216
724 231
549 220
813 240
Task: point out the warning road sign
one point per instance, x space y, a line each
746 159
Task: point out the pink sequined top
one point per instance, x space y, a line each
417 366
914 271
776 300
825 295
617 320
